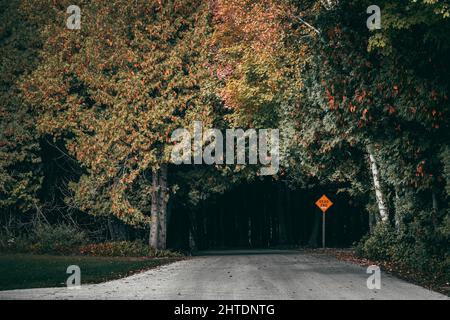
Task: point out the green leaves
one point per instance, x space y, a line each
20 162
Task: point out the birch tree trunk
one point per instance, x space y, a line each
382 208
153 241
162 202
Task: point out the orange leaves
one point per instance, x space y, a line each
251 56
256 24
360 97
391 110
420 169
224 71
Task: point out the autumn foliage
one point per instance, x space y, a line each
109 96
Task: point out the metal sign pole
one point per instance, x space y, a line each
324 204
323 229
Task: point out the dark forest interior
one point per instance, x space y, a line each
267 214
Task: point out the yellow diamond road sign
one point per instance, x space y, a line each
324 203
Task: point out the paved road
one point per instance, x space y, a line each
243 275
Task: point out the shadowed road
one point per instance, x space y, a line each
243 275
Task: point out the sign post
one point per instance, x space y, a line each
324 204
323 229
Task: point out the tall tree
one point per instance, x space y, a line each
115 90
20 161
379 102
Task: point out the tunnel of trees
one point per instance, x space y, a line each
267 214
87 117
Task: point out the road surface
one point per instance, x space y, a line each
243 275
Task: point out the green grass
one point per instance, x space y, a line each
20 271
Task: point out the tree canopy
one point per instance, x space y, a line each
364 110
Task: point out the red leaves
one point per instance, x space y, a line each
224 72
420 171
331 100
360 97
391 110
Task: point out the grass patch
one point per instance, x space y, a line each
24 271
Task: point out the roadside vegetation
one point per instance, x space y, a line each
436 279
67 240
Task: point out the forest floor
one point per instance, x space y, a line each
18 271
260 275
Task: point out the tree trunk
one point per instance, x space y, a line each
249 234
154 211
163 199
282 238
288 221
313 239
397 213
372 222
192 232
434 201
262 221
382 208
111 230
435 208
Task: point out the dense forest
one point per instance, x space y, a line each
87 116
